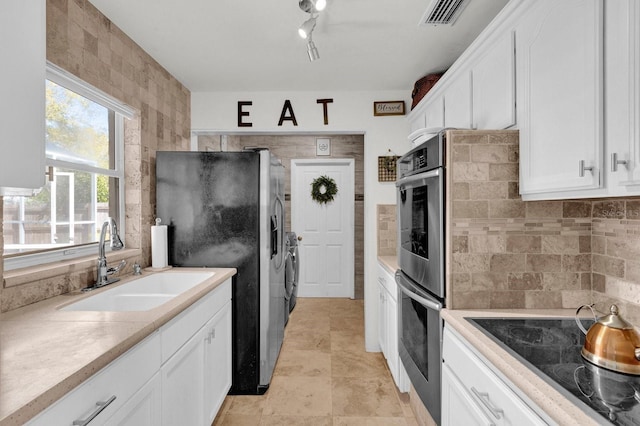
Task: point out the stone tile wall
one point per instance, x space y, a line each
387 230
288 147
616 256
504 252
84 42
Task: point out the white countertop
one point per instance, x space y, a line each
533 387
45 352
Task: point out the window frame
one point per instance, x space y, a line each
69 81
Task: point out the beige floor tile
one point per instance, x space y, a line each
364 397
308 323
369 421
296 421
324 376
348 324
298 396
346 341
358 364
303 363
307 340
237 420
246 404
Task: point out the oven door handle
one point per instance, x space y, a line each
419 176
405 287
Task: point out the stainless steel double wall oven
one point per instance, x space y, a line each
420 279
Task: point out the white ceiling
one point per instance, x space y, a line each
252 45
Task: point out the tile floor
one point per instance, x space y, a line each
323 376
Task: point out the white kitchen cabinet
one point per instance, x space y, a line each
457 102
109 390
472 394
217 381
183 384
622 102
559 60
143 409
434 113
197 376
388 327
22 94
178 375
494 86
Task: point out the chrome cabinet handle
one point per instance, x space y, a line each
210 336
484 399
101 405
615 162
582 168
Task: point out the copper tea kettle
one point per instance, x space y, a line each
611 342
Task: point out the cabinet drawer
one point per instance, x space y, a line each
121 378
488 391
177 331
388 281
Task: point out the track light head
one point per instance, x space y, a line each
307 27
311 6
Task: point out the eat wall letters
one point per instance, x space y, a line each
287 113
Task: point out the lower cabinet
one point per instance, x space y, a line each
472 394
143 409
179 375
388 328
196 379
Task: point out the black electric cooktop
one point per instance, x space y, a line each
551 348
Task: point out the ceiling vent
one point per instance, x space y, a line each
443 12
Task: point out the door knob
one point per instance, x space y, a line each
299 238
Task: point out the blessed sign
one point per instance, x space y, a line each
388 108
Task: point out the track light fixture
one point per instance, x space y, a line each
305 31
307 27
311 6
312 51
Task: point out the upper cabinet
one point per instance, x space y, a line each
559 57
622 102
566 74
494 85
22 94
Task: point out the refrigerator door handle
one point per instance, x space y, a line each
280 231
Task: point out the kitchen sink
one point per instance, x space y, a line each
141 294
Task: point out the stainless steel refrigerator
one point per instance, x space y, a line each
226 209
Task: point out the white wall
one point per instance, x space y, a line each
351 113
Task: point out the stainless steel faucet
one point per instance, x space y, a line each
116 244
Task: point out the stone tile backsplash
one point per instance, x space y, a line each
508 253
387 230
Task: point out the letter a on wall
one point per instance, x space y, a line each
287 113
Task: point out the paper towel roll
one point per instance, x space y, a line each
159 251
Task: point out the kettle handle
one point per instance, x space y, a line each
578 319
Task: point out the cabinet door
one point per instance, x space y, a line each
457 102
622 73
217 362
183 384
458 407
143 409
22 93
559 48
434 113
382 317
493 83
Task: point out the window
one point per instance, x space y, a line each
84 153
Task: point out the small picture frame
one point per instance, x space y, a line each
388 108
323 146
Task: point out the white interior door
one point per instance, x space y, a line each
325 231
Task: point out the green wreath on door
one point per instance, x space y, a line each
323 189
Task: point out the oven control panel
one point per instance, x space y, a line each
426 156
